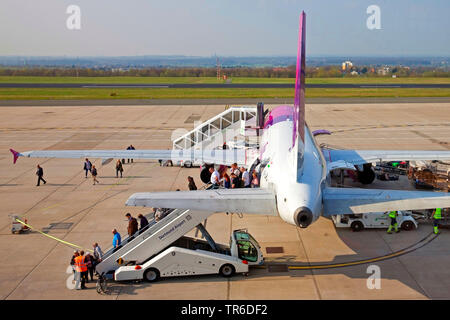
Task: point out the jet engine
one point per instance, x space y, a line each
205 175
367 175
303 217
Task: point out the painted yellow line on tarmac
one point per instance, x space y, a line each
52 206
52 237
337 265
354 263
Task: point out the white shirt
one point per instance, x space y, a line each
246 178
215 176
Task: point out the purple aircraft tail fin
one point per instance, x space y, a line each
299 102
298 130
15 155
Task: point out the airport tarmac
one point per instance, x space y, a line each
34 266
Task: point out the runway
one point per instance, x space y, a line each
225 85
225 101
34 266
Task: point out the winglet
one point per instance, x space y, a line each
15 155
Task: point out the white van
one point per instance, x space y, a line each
374 220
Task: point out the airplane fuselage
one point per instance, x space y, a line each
299 199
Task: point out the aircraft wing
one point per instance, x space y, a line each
357 157
242 200
355 200
225 157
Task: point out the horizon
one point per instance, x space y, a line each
227 56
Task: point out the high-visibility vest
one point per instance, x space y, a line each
437 213
392 214
80 265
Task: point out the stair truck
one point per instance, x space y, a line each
162 249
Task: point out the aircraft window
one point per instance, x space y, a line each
247 251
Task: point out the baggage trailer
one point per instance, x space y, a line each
17 226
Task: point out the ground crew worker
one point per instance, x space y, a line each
436 219
393 215
81 267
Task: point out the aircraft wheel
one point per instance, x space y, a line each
151 275
188 164
407 225
227 270
357 226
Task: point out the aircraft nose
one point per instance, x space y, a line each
303 217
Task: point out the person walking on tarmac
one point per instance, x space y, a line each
119 168
437 216
94 174
393 215
87 167
40 174
130 147
81 267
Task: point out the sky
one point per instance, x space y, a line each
224 28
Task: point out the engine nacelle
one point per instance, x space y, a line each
303 217
205 175
367 176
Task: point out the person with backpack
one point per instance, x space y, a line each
94 174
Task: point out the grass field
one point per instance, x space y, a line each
196 93
150 80
164 93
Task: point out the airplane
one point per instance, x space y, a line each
294 170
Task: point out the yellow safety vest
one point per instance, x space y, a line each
393 214
437 213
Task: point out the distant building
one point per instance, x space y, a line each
347 65
383 70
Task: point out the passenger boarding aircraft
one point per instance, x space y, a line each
294 170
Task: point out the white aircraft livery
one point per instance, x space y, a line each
294 171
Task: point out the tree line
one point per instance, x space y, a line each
253 72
